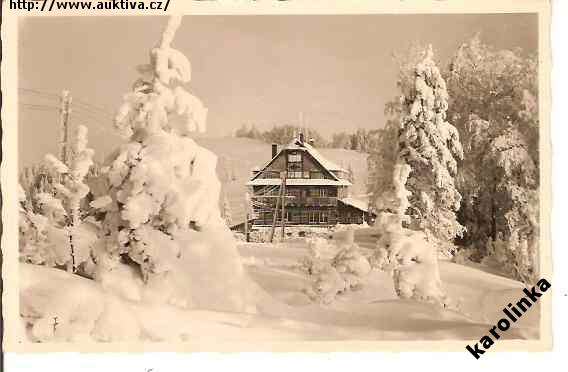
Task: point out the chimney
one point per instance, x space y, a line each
274 150
301 138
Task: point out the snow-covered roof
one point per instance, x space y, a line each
303 146
329 165
298 182
356 203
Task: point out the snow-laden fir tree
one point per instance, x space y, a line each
335 268
495 107
409 255
510 206
430 146
34 180
423 195
499 86
66 239
384 154
164 216
34 246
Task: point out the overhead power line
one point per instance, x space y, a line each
32 105
40 93
76 102
90 106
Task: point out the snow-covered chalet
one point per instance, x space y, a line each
316 191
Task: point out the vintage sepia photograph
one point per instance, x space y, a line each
280 178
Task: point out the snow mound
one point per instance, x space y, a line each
59 307
411 258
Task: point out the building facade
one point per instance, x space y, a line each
304 187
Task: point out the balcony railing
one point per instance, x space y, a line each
323 201
300 201
269 174
291 174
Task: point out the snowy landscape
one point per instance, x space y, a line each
143 242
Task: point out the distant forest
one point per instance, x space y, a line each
361 140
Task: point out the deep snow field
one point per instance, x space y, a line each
85 312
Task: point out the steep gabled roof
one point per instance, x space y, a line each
329 165
298 182
303 146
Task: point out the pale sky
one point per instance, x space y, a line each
336 70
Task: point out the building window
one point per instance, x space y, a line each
314 217
318 193
323 218
293 174
295 166
294 158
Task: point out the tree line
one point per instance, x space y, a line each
463 141
362 140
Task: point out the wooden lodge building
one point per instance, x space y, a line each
305 188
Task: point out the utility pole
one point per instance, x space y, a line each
283 203
247 209
246 227
275 213
64 112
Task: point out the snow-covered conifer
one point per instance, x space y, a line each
52 231
422 181
334 268
431 148
70 191
509 205
164 215
494 95
412 259
33 243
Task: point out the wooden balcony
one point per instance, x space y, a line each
303 202
269 174
319 201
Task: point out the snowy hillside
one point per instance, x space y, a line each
285 313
